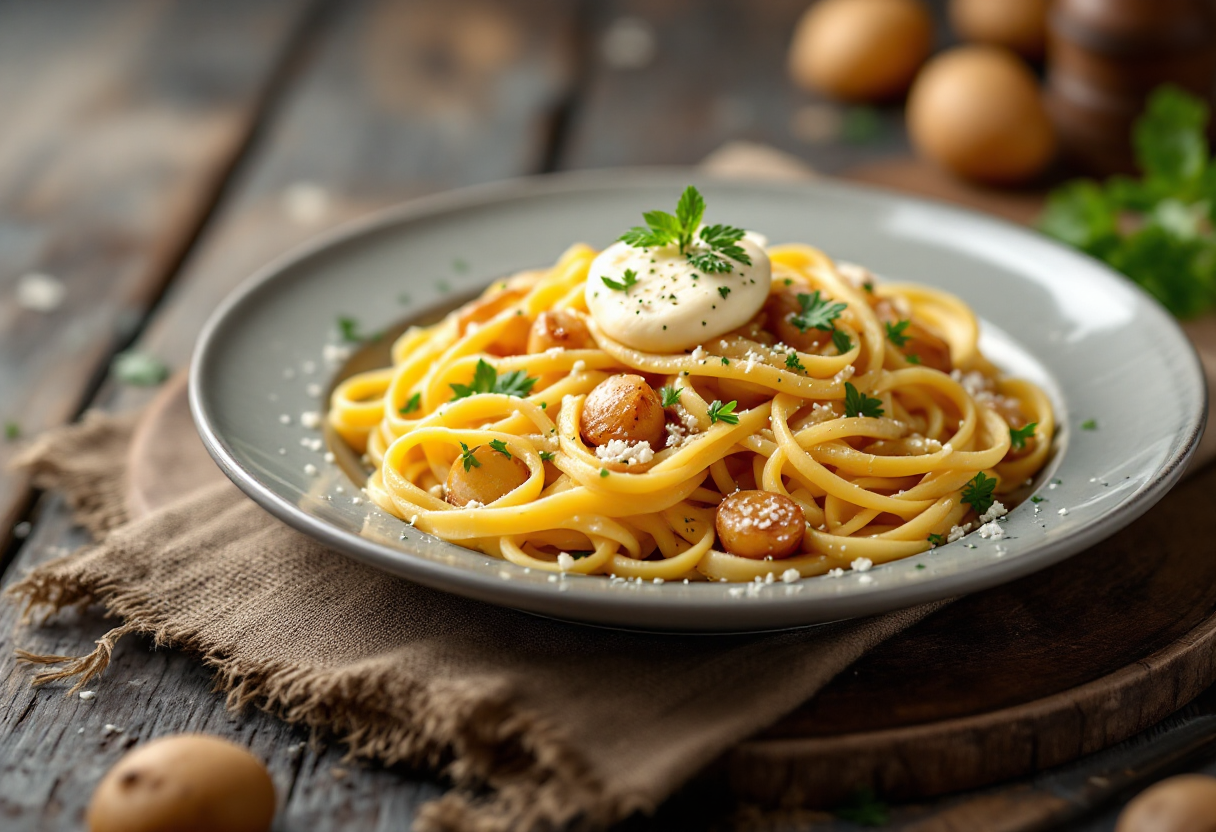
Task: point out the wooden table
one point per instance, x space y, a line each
153 153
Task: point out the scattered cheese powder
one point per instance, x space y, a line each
790 575
992 530
626 453
565 562
862 565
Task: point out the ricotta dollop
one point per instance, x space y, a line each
673 306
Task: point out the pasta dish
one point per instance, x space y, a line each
694 404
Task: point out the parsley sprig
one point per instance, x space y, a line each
895 333
842 341
671 395
1160 229
501 447
719 412
937 539
1018 436
817 313
486 380
466 457
631 278
412 403
857 403
977 493
663 229
793 362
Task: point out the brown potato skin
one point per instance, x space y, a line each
558 328
622 407
497 475
740 534
1186 803
779 308
514 338
184 783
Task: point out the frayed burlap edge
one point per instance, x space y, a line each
78 460
528 776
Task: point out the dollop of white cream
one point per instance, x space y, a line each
673 306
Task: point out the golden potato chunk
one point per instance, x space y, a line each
490 474
623 407
760 524
558 328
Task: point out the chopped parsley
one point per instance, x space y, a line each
857 403
466 457
978 492
139 369
486 380
1018 436
603 472
12 431
912 358
719 412
350 332
631 278
793 362
920 566
937 539
663 229
547 456
841 341
671 395
725 362
817 313
579 554
501 447
1037 499
1089 424
723 291
895 333
413 403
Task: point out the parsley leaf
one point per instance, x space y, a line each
817 313
547 456
723 291
501 447
937 539
841 341
978 492
719 412
467 458
1089 424
1018 436
1157 230
895 333
12 431
663 229
413 403
486 380
603 472
912 358
1037 499
671 395
348 328
793 362
857 403
631 277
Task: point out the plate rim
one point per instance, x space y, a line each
540 598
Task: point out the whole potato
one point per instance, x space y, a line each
184 783
1186 803
622 407
861 50
1020 25
976 111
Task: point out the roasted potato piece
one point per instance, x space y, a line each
558 328
490 475
623 407
760 524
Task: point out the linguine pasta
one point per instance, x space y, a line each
891 436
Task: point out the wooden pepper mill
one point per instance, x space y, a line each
1105 56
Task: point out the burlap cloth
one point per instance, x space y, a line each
540 724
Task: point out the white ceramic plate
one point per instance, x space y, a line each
1101 348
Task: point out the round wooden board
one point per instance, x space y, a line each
996 686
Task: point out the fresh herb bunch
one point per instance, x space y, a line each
1157 230
486 380
817 313
662 229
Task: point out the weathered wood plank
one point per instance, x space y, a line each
670 81
121 118
392 99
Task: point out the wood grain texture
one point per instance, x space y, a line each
386 100
121 120
717 74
